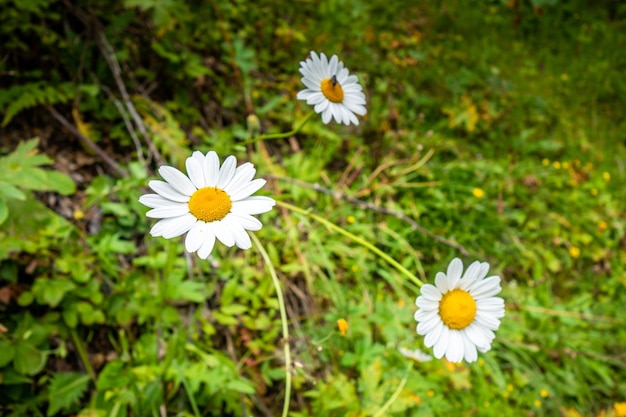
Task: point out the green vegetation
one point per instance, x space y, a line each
494 132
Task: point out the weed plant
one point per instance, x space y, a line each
494 132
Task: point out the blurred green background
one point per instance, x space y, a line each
496 126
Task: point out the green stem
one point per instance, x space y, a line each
283 319
82 353
396 392
192 400
356 239
281 135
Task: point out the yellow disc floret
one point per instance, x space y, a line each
457 309
332 90
210 204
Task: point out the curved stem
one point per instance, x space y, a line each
82 353
283 319
281 135
356 239
396 393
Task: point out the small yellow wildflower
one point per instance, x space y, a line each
78 214
537 403
355 268
430 393
342 324
486 404
594 191
565 165
478 193
571 412
350 219
505 394
574 252
556 165
602 226
481 362
544 393
509 388
620 409
545 162
606 176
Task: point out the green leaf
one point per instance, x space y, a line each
28 360
8 352
51 291
4 211
65 391
240 386
61 183
10 192
190 291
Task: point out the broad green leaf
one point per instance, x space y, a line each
10 192
240 386
8 352
65 391
61 183
50 291
190 291
28 360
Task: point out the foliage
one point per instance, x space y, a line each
496 127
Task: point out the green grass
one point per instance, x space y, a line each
522 103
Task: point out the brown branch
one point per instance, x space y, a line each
87 142
341 196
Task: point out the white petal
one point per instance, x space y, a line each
195 172
242 240
253 205
434 335
456 347
207 245
469 350
486 288
455 269
223 234
243 174
196 237
487 320
477 335
245 220
441 282
177 180
211 169
168 211
427 326
431 292
227 171
155 200
173 226
248 189
441 345
427 304
165 190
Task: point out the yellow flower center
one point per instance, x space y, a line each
210 204
457 309
332 89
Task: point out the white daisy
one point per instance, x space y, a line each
331 89
459 315
210 203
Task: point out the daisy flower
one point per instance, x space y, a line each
331 89
212 202
459 315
